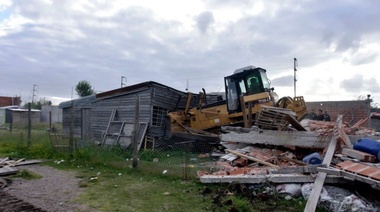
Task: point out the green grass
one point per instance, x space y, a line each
110 184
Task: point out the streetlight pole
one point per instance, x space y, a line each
295 76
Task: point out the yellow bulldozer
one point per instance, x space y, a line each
246 91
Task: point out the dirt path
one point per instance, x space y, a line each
55 191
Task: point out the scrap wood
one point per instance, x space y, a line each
273 117
3 160
363 156
360 122
344 138
312 202
21 162
252 158
6 170
292 160
12 163
295 123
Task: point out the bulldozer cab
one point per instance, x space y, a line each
245 81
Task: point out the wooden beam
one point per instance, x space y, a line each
7 171
253 159
363 156
313 199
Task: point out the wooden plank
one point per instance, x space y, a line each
272 178
28 162
363 156
7 171
252 158
3 160
313 199
293 160
295 123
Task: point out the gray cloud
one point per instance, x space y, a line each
360 59
62 45
204 21
354 84
283 81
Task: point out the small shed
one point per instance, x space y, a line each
19 115
95 115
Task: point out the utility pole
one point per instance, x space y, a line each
35 87
122 81
295 76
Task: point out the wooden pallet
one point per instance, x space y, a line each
272 117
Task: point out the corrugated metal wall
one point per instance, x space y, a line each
155 95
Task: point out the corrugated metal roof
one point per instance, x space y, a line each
132 88
115 92
18 108
23 110
86 99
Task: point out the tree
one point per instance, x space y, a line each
83 88
38 104
368 98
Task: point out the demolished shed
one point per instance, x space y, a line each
111 113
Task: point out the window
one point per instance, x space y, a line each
158 116
232 95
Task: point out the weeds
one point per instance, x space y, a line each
110 184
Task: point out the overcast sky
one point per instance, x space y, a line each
54 44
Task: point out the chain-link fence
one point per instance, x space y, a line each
119 137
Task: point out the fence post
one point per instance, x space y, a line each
29 124
135 133
71 136
11 121
50 121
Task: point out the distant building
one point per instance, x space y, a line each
10 101
55 111
352 111
19 115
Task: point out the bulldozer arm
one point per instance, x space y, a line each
296 104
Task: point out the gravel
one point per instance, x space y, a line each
55 191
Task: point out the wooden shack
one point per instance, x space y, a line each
108 117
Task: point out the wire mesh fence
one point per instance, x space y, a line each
123 139
114 135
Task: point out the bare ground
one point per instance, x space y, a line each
56 190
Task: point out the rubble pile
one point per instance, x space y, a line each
301 162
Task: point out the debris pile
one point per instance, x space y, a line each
300 161
7 165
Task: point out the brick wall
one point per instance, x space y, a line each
9 101
352 111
